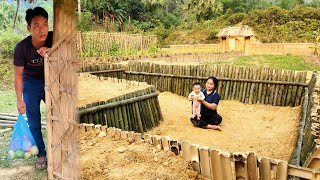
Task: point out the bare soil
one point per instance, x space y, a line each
92 89
100 159
269 131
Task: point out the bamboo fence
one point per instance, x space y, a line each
95 44
136 111
212 163
310 142
176 57
248 85
103 70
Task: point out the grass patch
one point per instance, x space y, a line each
8 103
290 62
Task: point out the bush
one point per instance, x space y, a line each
153 49
86 23
7 43
114 50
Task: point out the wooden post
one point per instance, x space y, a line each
205 162
265 169
194 157
165 141
185 150
282 170
252 166
216 170
240 166
226 166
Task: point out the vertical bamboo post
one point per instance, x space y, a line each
252 166
165 141
240 166
282 170
226 166
265 169
194 157
216 169
205 162
185 150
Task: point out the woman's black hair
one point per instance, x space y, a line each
37 11
215 81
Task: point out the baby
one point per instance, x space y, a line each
194 96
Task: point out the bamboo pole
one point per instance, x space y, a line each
205 162
216 169
226 166
252 166
240 166
265 169
194 157
282 170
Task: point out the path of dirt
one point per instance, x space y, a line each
100 159
267 130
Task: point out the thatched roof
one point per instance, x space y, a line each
242 31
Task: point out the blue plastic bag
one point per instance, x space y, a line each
22 143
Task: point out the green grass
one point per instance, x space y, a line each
8 103
290 62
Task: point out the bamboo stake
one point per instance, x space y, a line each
226 166
240 166
282 170
216 169
205 162
265 169
252 166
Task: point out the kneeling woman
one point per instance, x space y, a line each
210 119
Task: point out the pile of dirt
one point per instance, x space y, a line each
92 89
270 131
106 158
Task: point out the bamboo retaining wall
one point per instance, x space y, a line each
176 57
103 69
94 44
248 85
311 140
136 111
212 163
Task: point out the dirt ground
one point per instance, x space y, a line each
91 89
100 159
267 130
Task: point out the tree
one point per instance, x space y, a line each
205 9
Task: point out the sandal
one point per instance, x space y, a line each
41 164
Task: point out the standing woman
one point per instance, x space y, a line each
210 119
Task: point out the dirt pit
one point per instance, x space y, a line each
270 131
106 158
92 89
